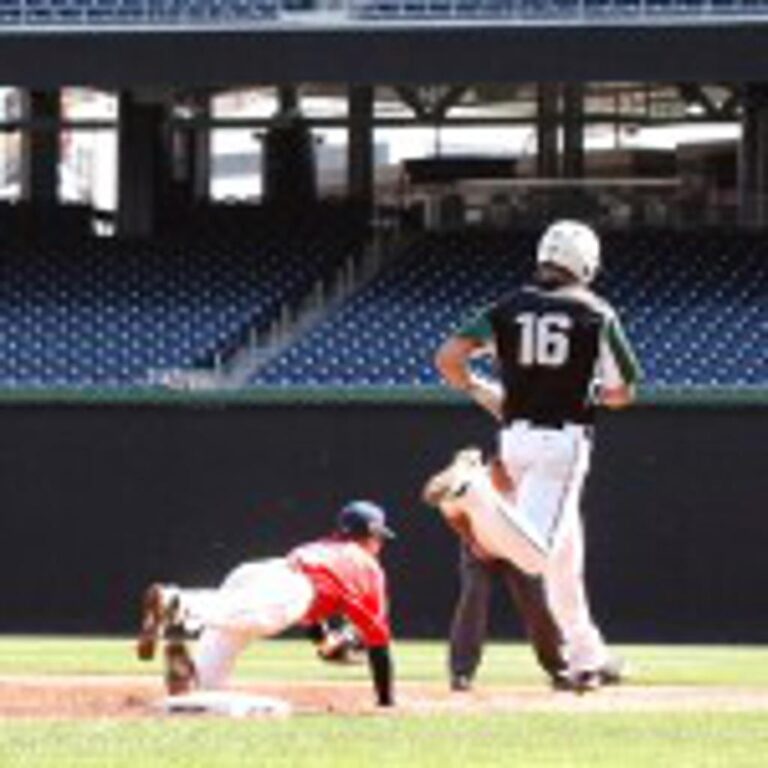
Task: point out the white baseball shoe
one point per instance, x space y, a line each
160 610
451 482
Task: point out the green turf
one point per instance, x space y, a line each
589 739
504 663
597 741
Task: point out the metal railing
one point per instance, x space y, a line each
585 10
83 13
126 13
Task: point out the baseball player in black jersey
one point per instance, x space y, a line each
560 353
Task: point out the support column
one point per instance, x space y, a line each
40 148
141 165
547 130
360 158
201 153
748 154
191 150
753 157
573 130
287 98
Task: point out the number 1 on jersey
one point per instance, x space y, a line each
544 339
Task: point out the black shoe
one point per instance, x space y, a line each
586 680
577 682
613 672
461 683
560 681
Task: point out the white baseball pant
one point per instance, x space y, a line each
257 599
541 531
548 467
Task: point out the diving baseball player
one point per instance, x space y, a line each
561 352
337 575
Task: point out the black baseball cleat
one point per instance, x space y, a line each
461 683
586 680
583 681
613 672
560 681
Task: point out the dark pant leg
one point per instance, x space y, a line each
470 618
530 598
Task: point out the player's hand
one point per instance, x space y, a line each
340 646
489 395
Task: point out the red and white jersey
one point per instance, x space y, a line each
348 580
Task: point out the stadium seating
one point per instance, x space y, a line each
106 313
695 305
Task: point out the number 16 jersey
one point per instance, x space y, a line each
552 345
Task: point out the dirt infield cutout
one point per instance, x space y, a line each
71 697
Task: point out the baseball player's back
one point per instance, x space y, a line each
552 343
560 353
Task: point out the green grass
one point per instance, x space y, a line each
504 663
597 741
590 739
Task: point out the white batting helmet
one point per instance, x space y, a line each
573 246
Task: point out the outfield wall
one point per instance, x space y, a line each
99 499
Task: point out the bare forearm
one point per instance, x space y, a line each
452 361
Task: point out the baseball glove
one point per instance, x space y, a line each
340 645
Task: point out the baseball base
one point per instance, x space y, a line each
225 704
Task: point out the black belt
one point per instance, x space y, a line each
543 421
546 422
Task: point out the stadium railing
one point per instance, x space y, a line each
587 10
320 396
85 13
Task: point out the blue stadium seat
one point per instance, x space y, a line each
107 313
695 305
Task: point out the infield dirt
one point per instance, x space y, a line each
73 697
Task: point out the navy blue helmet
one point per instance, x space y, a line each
359 519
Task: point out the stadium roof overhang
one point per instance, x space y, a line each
382 52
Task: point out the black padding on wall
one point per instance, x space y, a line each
97 500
